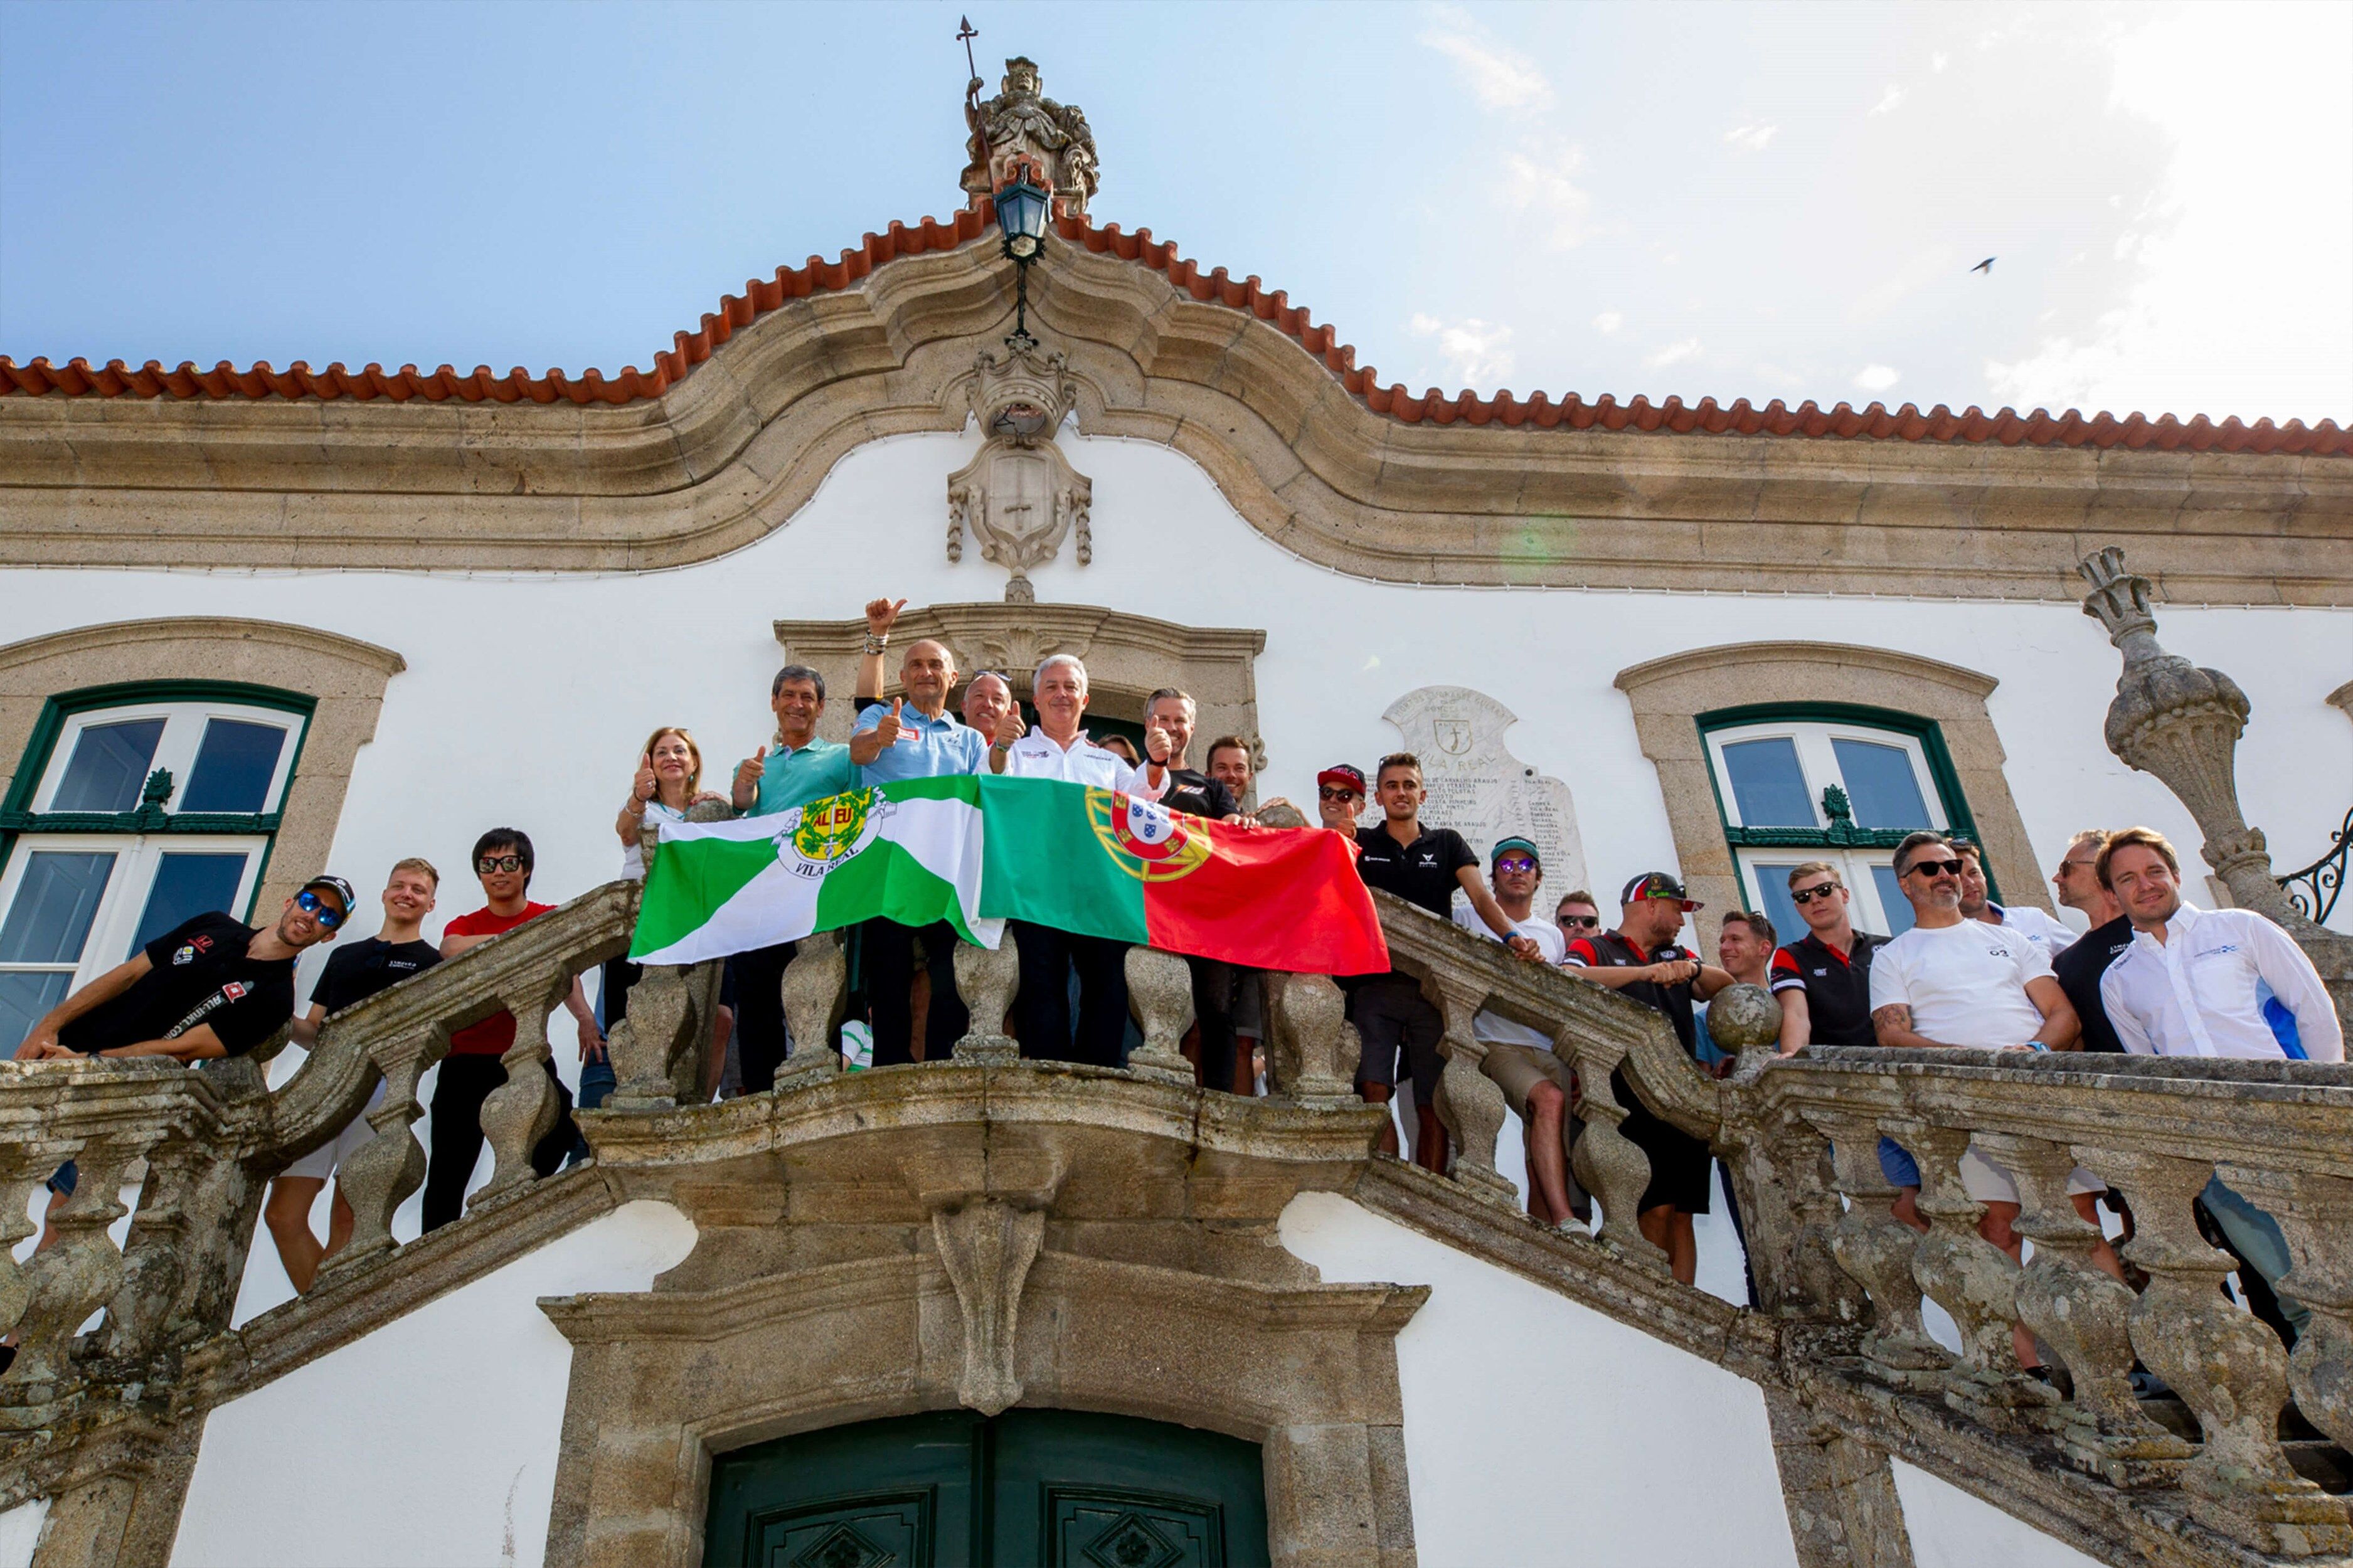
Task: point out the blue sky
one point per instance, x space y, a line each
1697 200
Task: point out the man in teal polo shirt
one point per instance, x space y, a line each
913 738
792 770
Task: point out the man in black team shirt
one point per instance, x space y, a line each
211 986
1424 866
1168 719
2082 962
354 972
1822 980
1640 962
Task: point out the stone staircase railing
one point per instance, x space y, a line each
1841 1281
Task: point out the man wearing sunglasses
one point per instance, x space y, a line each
503 862
2079 967
1578 914
1340 795
1822 980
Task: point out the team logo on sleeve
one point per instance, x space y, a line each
825 833
193 949
1146 840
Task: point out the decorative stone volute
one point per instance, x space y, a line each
1020 498
1021 124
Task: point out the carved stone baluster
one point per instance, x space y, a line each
70 1280
2084 1315
666 1021
1307 1049
381 1172
1782 1175
157 1251
1608 1164
1974 1281
987 979
1160 990
816 995
24 1167
1875 1250
518 1113
2226 1366
2315 1215
1469 1102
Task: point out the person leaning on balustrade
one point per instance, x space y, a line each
2212 982
1954 981
667 785
356 971
1059 749
794 769
913 738
1641 962
211 986
1521 1058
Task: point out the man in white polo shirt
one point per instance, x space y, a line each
1059 749
1520 1057
1953 981
2212 982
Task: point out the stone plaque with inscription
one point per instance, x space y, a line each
1481 791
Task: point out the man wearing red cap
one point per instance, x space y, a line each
1641 960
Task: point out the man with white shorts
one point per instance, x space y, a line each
1520 1058
353 974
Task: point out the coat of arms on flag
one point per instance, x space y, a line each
1146 840
825 833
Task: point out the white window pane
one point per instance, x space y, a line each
1881 785
187 886
1767 784
1892 901
55 901
234 768
24 998
109 765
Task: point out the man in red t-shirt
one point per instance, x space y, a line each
503 859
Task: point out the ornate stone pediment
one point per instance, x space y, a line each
1019 499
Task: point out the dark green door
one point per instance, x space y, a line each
1058 1489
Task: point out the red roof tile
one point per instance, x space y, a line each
77 378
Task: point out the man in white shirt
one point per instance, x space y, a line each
1953 981
2049 935
1520 1057
1057 749
2212 982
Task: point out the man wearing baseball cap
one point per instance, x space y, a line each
1340 795
1642 962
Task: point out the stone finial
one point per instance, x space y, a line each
1021 124
2118 601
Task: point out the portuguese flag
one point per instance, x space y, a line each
1098 863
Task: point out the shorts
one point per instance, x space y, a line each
1680 1166
1517 1069
1394 1016
329 1157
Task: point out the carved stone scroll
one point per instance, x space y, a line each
987 1245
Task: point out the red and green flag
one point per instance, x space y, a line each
1100 863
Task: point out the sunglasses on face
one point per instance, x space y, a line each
1515 863
1327 793
1934 869
1579 922
490 863
1801 896
318 910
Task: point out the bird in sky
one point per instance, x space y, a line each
1985 266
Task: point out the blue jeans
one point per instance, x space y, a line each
1896 1165
597 1083
2258 1238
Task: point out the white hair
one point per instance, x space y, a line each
1038 676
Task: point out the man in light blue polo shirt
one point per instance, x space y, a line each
792 770
913 738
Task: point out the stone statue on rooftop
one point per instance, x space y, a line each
1020 123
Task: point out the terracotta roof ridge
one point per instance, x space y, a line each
2009 428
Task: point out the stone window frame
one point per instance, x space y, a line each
341 679
1677 697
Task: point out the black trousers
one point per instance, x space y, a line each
1043 1007
760 1042
1214 983
465 1083
887 957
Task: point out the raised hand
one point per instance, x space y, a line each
643 789
1524 947
1010 728
1156 742
747 778
890 729
881 615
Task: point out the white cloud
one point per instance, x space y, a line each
1498 77
1750 137
1939 60
1608 322
2239 305
1877 377
1537 181
1477 353
1674 353
1888 100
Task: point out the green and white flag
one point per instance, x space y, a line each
910 850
